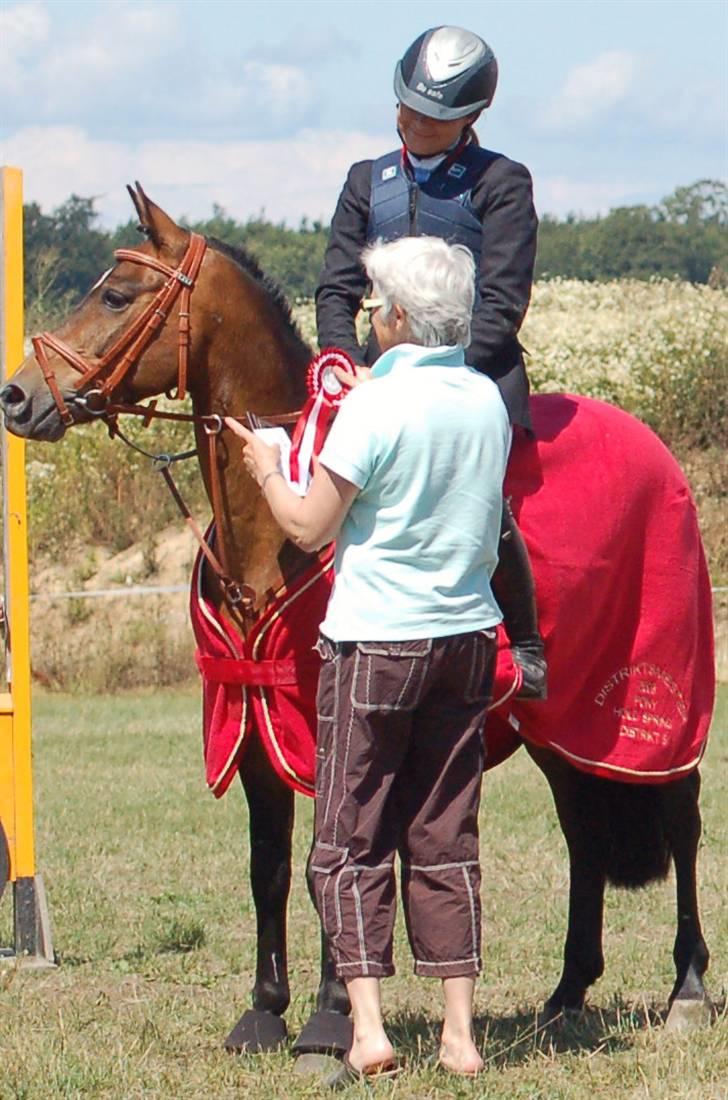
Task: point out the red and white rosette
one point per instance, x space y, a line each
326 394
321 376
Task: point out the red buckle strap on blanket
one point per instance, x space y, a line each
232 670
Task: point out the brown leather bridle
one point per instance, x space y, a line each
126 351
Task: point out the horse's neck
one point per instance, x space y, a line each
258 368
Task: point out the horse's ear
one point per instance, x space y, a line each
154 223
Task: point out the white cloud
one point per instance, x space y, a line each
24 30
562 195
590 91
50 73
23 27
131 72
290 179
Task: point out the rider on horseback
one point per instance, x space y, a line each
442 183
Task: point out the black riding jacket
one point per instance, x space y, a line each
501 199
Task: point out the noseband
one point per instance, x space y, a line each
125 352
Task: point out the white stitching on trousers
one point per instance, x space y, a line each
471 899
440 866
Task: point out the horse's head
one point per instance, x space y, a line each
116 344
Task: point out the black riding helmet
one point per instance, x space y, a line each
447 73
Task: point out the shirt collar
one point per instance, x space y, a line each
414 355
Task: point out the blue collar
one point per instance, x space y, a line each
414 355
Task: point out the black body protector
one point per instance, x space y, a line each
439 207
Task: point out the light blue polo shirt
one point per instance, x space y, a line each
426 442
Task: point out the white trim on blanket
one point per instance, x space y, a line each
263 696
690 766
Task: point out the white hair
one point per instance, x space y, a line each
431 280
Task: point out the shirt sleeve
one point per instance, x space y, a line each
343 282
505 202
350 449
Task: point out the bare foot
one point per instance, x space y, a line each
367 1056
461 1057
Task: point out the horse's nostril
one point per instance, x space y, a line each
12 396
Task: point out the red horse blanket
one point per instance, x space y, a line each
623 593
624 603
267 682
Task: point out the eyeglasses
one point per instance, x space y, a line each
369 305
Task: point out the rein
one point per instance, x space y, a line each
124 353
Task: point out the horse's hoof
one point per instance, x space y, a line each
688 1015
552 1014
257 1032
325 1033
316 1065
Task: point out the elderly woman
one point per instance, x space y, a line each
410 484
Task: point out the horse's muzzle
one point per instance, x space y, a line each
30 416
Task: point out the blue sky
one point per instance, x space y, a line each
262 106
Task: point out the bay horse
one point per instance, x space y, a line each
202 316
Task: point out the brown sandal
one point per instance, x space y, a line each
347 1074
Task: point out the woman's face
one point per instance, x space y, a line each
390 331
425 136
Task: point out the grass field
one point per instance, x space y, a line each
153 924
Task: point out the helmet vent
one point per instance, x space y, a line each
451 51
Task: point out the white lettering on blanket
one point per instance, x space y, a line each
651 706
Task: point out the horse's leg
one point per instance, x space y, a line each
270 805
329 1029
688 1001
582 823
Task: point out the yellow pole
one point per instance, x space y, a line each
16 779
19 827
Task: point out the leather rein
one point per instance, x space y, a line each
118 360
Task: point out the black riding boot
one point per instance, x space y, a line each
513 588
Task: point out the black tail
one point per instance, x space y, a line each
635 846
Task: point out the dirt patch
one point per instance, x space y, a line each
132 636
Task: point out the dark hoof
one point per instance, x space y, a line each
554 1010
257 1033
325 1033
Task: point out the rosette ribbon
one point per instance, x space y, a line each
325 394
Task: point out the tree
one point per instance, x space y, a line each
64 253
685 236
704 202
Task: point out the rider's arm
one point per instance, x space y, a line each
343 281
504 202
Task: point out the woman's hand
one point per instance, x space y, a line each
260 459
351 379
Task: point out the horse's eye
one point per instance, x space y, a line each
114 299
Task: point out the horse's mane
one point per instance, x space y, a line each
250 266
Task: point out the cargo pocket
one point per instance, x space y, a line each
327 860
326 691
479 679
389 675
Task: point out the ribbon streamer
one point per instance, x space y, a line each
326 394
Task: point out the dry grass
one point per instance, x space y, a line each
147 879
